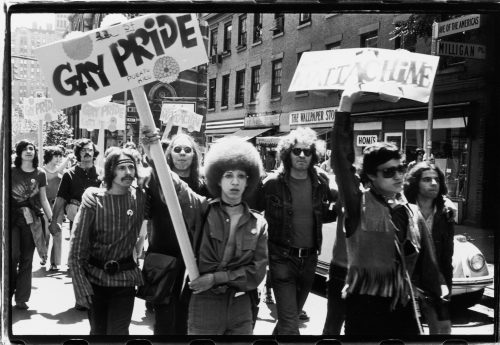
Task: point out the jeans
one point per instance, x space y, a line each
335 314
220 314
56 251
111 310
291 279
23 249
371 316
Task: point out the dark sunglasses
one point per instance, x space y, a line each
390 172
186 149
296 151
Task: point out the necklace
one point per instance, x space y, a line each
229 205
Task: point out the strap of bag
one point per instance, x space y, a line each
197 235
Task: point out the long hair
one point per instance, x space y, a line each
194 169
375 155
303 135
112 156
78 146
49 152
20 146
411 186
232 153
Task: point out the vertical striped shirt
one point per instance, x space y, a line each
107 231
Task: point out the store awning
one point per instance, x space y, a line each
248 134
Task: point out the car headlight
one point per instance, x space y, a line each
476 262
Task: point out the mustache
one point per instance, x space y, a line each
87 155
128 177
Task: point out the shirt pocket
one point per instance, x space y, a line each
249 240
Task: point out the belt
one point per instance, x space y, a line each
302 252
114 266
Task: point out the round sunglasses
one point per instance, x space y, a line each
186 149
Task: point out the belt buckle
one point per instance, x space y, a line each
300 252
112 267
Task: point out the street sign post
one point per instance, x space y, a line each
465 50
460 24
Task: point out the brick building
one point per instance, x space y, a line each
252 59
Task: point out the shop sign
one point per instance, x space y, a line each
267 141
460 24
465 50
262 120
109 60
397 73
365 140
312 116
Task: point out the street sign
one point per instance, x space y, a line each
132 119
472 51
460 24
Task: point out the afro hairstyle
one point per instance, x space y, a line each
232 153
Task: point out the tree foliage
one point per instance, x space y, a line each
58 132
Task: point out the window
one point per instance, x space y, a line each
240 87
304 18
228 28
300 92
242 30
276 78
255 85
213 42
211 93
225 90
369 40
257 27
279 23
332 46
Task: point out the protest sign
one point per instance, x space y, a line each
110 116
108 60
397 73
39 108
182 115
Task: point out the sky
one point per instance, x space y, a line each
26 19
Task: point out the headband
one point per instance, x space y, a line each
121 161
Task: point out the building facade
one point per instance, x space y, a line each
252 59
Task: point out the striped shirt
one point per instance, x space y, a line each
107 231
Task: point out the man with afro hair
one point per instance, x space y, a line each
229 239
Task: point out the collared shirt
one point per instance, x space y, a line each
107 231
75 181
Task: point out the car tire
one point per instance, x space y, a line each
467 300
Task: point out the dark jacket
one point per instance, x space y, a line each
442 236
276 202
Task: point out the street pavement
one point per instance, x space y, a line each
51 308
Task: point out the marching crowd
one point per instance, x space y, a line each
391 266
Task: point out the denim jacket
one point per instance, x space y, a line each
277 205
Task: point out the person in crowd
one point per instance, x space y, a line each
28 198
53 166
420 152
183 157
385 244
229 239
296 200
104 271
425 186
73 183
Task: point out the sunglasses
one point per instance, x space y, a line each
391 172
186 149
296 151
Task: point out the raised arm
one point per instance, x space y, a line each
342 162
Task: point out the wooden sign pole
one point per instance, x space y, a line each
167 184
40 141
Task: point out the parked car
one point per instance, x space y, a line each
470 269
470 273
